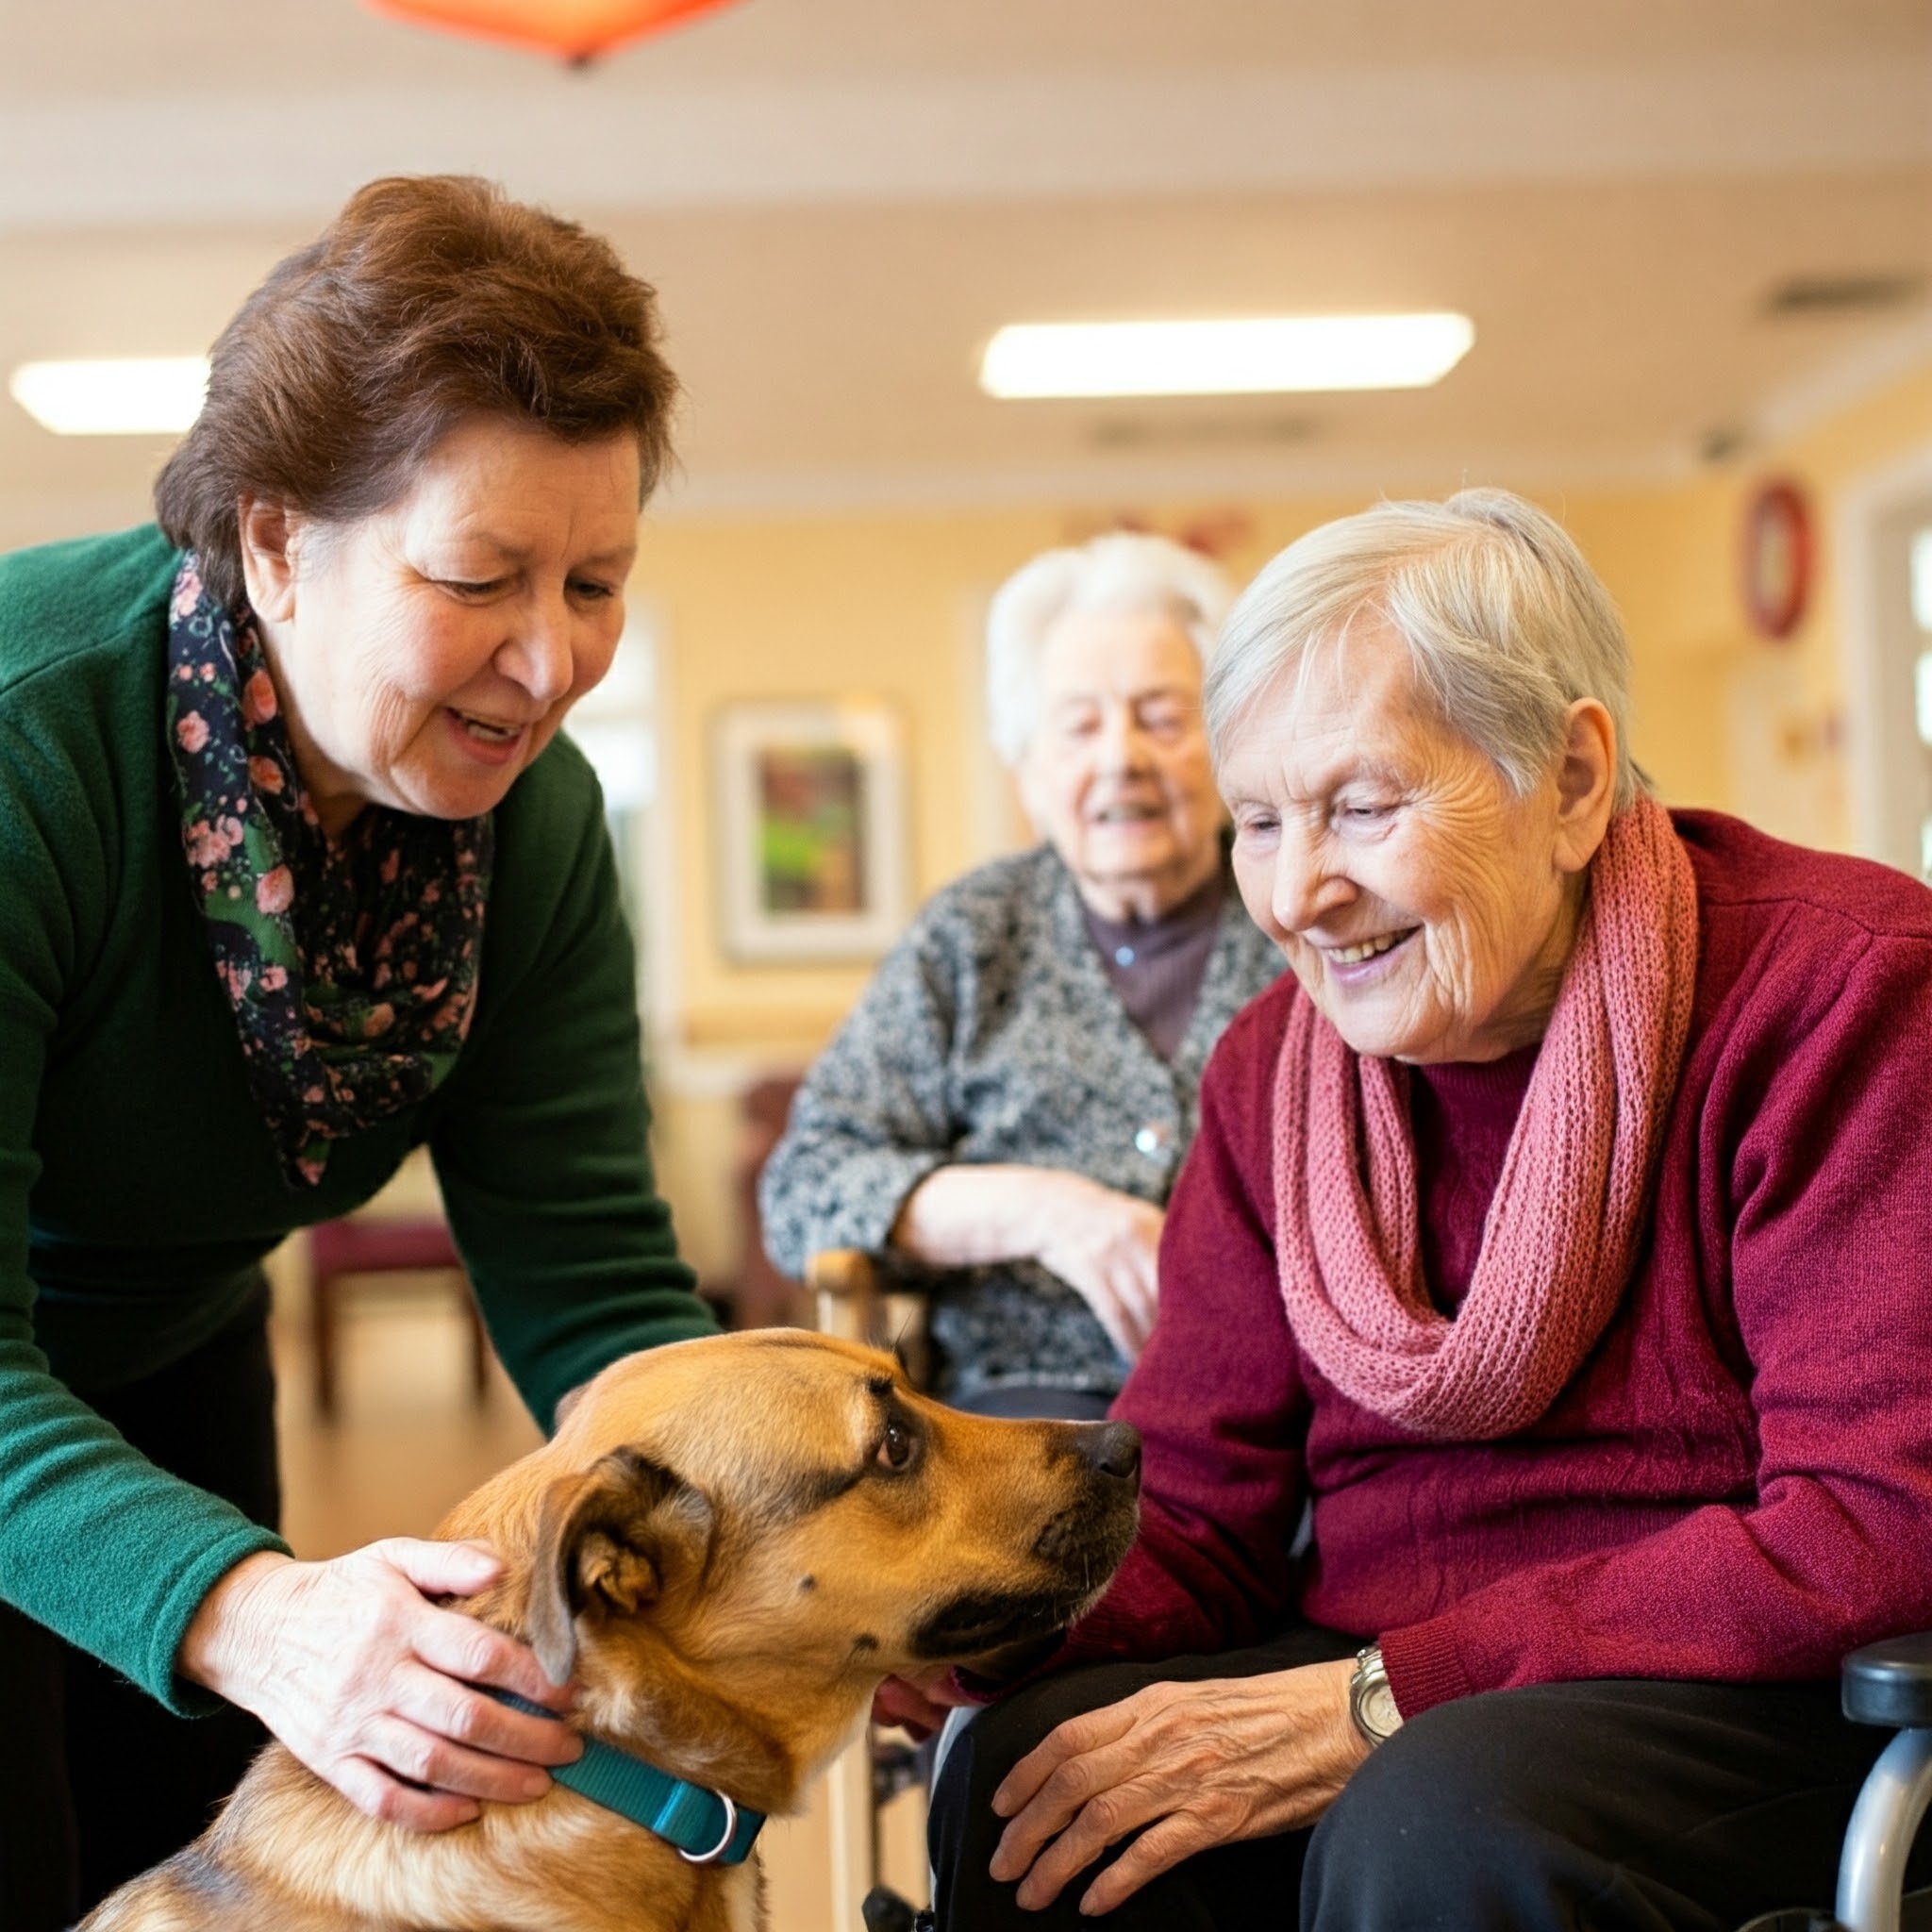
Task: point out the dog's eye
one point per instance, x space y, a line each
895 1451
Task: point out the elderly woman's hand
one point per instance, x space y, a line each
1103 1243
1107 1245
369 1685
1189 1766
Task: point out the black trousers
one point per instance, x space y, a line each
97 1781
1615 1806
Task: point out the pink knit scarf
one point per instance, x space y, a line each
1565 1223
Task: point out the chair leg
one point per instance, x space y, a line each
480 1346
323 1325
854 1829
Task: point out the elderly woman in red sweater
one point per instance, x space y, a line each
1559 1233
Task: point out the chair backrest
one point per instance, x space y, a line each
857 1297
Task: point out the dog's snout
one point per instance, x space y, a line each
1110 1449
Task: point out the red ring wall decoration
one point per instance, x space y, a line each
1777 557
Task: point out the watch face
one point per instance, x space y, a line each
1378 1709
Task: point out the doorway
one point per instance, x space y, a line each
1889 576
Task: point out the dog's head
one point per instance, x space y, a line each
742 1535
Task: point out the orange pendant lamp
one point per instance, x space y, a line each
574 30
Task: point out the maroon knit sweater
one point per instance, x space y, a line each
1737 1485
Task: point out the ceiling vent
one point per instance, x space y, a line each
1849 294
1164 432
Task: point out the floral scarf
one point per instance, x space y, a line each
350 962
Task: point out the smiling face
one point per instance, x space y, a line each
1116 776
424 654
1425 907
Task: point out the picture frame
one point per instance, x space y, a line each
811 829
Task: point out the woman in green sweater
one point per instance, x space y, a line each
295 876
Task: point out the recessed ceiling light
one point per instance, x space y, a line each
1261 356
131 396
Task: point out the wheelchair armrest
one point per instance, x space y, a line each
1889 1683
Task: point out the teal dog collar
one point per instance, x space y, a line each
704 1826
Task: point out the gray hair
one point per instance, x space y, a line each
1122 572
1505 624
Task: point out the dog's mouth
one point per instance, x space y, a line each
1082 1553
970 1626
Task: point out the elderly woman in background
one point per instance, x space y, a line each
1009 1101
299 875
1559 1231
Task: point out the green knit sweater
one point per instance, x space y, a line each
137 1184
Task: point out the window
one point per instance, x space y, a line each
616 727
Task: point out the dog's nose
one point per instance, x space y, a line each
1110 1449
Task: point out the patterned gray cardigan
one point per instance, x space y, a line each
992 1033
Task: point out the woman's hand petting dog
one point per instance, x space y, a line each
1189 1766
369 1685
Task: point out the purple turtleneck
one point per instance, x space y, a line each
1156 965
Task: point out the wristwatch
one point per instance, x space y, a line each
1370 1703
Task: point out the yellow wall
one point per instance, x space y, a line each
1724 716
881 605
1831 460
1806 751
811 609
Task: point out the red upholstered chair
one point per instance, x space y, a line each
760 1296
353 1248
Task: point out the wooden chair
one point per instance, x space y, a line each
846 1296
340 1251
857 1296
760 1296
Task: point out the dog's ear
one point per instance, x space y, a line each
604 1539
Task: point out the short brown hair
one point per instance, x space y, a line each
429 299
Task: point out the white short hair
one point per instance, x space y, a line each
1505 624
1121 571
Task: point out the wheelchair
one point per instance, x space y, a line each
1889 1684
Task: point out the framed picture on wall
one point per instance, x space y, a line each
812 830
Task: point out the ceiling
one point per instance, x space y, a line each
838 200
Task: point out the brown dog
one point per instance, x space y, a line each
729 1542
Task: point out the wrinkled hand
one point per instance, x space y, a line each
1107 1245
368 1684
1197 1764
917 1701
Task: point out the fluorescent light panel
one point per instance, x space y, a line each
1262 355
134 396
